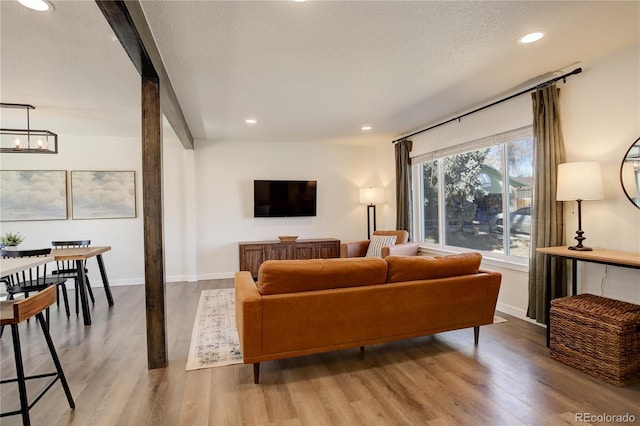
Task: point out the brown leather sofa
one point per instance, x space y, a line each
303 307
402 246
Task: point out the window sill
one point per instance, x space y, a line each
489 259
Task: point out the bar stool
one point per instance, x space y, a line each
14 312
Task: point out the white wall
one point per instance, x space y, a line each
224 186
208 192
601 113
601 119
124 263
179 200
386 169
207 197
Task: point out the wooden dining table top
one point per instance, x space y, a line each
12 265
78 253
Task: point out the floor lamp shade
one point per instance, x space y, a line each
371 197
578 182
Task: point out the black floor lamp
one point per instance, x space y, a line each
371 196
579 182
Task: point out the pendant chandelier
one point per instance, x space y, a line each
27 141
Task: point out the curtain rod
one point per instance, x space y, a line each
531 89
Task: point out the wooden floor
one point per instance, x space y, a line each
441 380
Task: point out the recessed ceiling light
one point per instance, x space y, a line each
39 5
251 121
299 1
366 127
530 38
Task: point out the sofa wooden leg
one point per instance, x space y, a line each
476 335
256 373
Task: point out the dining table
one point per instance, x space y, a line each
79 255
12 265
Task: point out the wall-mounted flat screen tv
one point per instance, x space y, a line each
284 198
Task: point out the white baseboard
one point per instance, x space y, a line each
97 282
511 310
216 276
516 312
182 278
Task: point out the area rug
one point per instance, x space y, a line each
214 340
498 320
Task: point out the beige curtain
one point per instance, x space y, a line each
403 187
547 213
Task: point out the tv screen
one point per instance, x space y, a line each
284 198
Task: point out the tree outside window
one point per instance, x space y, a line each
474 198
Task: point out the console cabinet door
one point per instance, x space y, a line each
252 256
305 250
280 251
328 249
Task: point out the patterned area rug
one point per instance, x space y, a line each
498 320
214 340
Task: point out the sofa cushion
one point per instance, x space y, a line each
377 242
291 276
412 268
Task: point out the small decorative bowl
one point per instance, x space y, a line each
285 238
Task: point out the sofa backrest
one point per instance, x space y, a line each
292 276
412 268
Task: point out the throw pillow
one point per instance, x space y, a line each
377 242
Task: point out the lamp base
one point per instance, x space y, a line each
369 208
580 248
580 239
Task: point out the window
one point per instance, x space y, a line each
463 197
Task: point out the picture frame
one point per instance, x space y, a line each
103 194
28 195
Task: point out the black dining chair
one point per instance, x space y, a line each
5 278
32 280
68 270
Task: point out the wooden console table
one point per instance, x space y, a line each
602 256
253 253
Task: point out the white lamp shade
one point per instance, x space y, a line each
580 181
371 195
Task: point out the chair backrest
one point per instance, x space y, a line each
34 275
66 265
71 244
402 236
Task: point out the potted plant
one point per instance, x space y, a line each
9 239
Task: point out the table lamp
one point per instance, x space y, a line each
579 182
371 196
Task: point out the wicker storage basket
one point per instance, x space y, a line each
598 336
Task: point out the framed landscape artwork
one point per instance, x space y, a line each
103 194
33 195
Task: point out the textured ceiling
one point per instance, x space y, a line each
313 71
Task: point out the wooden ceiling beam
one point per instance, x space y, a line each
129 24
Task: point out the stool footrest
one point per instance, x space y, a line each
38 376
38 396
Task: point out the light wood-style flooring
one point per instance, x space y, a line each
508 379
